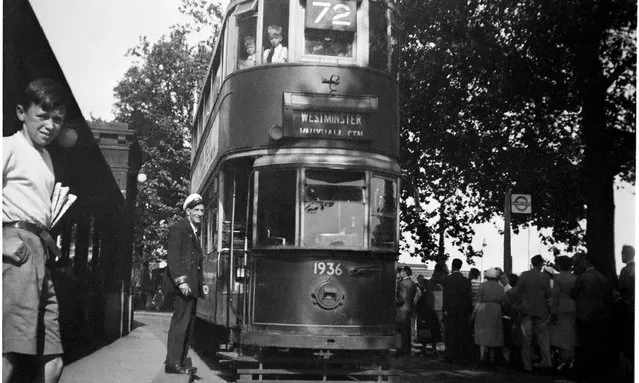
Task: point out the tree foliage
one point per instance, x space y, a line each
156 97
500 94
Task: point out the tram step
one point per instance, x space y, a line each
316 372
234 356
230 355
289 381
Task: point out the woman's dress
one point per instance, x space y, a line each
563 333
488 322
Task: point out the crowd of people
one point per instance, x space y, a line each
559 317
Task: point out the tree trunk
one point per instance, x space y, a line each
600 213
599 173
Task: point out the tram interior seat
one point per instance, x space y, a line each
340 239
276 241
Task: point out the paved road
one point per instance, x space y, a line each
158 324
415 369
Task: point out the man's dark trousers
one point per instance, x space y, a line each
182 324
457 331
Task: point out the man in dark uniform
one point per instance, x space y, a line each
184 283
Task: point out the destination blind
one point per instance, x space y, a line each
329 124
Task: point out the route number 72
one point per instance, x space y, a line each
331 14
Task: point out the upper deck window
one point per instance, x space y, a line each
330 27
275 32
383 47
247 55
378 50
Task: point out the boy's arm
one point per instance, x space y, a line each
7 159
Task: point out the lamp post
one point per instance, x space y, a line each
141 179
483 254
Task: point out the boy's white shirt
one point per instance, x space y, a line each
27 181
280 55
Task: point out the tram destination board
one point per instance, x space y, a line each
330 124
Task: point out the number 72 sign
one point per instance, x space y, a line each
339 15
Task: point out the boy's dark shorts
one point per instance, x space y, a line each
29 305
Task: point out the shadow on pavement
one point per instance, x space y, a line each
206 342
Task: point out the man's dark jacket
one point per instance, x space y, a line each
457 294
184 259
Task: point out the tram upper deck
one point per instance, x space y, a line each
330 82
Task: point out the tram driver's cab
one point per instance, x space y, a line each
345 32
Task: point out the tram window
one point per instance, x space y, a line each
378 50
275 41
383 212
329 43
211 227
246 56
276 207
334 208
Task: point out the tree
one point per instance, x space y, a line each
156 97
501 94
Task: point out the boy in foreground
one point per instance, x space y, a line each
29 305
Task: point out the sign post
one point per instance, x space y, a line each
508 259
517 204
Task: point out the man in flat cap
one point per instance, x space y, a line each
184 283
533 290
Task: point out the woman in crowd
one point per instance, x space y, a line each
428 326
489 333
435 285
474 275
562 312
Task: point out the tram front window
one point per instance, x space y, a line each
383 212
334 208
276 208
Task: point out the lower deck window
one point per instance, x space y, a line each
334 208
383 212
276 208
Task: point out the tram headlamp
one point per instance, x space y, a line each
242 273
276 132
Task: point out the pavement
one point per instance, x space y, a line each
136 358
139 357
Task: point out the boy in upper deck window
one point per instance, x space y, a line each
277 53
29 306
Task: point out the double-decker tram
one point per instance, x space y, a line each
295 151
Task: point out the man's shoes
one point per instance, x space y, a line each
188 363
177 369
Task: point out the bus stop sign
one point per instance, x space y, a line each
521 203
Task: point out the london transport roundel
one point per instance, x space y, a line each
521 203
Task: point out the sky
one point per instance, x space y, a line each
90 40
